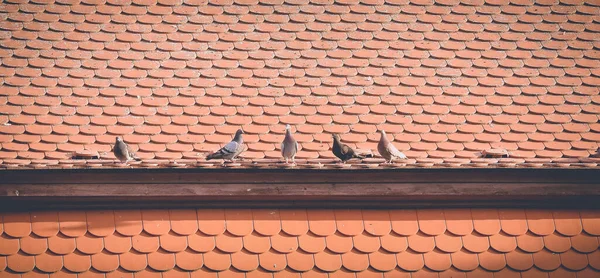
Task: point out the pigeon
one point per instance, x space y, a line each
123 152
289 146
231 150
342 151
387 150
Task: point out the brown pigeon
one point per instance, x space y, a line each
387 150
123 152
231 150
343 151
289 146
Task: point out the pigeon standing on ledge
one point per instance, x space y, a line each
343 151
289 146
123 152
387 150
231 150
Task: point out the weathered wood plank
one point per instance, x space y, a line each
300 190
83 176
384 188
566 202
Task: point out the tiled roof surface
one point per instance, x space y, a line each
175 79
301 243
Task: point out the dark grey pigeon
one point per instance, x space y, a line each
343 151
231 150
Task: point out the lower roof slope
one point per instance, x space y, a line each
446 79
301 243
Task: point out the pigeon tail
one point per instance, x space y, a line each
213 156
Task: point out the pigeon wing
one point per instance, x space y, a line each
395 152
131 153
346 149
231 147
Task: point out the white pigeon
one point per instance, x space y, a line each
123 152
387 150
289 146
231 150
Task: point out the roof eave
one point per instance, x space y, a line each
127 188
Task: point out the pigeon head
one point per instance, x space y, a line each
382 132
118 140
336 137
288 127
238 135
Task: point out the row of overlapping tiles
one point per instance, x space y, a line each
242 222
446 79
301 240
316 273
370 163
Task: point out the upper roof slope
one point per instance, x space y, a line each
177 78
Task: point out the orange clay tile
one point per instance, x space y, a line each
508 242
456 223
75 76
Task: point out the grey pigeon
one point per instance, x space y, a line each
231 150
343 151
289 146
387 150
123 152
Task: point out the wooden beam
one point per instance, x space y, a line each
259 187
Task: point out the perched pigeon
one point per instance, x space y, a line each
387 150
289 146
123 152
342 151
231 150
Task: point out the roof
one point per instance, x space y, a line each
307 243
446 80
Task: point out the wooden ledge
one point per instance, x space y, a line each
298 188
